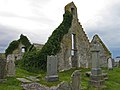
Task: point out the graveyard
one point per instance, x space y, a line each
67 61
11 83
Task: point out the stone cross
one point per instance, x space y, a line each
95 55
96 73
76 80
52 64
2 68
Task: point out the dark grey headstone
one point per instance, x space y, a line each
2 68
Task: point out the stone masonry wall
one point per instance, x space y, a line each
82 45
104 56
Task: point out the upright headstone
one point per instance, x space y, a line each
76 80
10 66
96 73
110 67
52 69
119 63
2 68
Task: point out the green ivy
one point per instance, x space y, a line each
14 44
33 60
24 40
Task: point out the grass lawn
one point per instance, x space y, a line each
11 83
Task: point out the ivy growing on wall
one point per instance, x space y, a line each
24 40
12 46
33 60
15 44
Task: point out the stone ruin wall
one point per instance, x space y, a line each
104 56
82 45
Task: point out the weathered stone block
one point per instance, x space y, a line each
52 78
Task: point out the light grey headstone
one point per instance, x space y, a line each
10 66
76 85
110 64
52 63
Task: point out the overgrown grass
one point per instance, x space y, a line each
113 82
10 84
66 76
23 73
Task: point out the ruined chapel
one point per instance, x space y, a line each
75 45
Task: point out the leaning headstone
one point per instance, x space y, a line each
96 72
52 63
10 66
2 68
76 85
110 67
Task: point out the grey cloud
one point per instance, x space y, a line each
108 28
8 34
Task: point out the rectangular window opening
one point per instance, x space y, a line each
73 45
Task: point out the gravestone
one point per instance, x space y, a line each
76 80
110 67
2 68
52 69
10 66
96 72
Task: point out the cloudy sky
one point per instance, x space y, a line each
38 18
